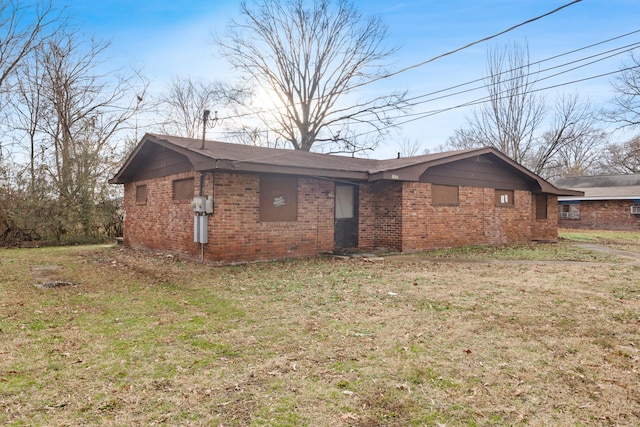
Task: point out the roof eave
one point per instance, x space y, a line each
235 166
597 198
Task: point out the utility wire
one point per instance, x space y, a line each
436 57
616 52
423 115
451 52
536 63
613 52
488 98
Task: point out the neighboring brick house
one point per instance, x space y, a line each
610 202
272 203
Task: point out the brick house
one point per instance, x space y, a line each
609 202
268 203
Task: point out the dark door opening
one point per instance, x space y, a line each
346 216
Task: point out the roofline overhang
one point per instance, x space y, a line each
597 198
212 165
412 172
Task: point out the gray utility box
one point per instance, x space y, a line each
200 230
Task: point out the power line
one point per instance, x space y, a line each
451 52
422 115
617 51
482 100
613 52
538 62
432 59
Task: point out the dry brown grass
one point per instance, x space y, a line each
142 339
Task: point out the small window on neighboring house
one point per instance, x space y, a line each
504 197
444 195
278 198
541 206
569 210
183 189
141 194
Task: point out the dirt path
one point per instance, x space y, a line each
605 249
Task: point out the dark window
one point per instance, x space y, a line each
183 189
141 194
444 195
278 199
541 206
504 197
570 210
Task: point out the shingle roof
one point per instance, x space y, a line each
603 187
602 181
215 155
239 153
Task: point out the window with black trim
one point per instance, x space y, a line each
569 210
278 198
541 206
444 195
183 189
141 194
504 198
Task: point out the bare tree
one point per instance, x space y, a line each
408 147
513 113
62 116
309 61
517 121
186 100
22 28
82 113
573 142
625 157
26 112
627 99
621 158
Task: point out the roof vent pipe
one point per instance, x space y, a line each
205 117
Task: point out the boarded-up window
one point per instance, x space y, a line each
278 198
141 194
541 206
504 197
444 195
183 189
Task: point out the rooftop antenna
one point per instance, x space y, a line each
205 117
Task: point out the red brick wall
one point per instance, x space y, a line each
366 217
476 220
235 231
393 215
161 223
603 215
380 216
545 229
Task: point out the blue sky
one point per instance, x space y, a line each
167 38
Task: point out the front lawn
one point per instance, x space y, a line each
97 335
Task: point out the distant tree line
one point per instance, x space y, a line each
62 116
